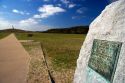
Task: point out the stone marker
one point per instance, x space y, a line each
102 56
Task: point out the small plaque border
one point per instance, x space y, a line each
116 59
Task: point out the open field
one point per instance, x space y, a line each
61 50
2 34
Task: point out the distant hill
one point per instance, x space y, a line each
14 30
71 30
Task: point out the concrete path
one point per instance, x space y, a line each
14 61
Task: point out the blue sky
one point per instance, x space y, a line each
46 14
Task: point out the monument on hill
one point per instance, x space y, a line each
102 56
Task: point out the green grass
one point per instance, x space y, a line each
2 34
61 49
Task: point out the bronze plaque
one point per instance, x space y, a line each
104 57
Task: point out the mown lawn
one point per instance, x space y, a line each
61 49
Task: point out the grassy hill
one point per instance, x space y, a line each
71 30
13 30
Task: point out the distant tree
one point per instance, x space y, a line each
71 30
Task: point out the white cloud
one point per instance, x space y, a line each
48 10
4 24
20 12
65 1
37 16
17 11
59 5
71 5
27 13
68 3
28 22
32 24
82 10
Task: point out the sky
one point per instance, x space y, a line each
40 15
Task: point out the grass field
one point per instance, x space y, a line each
61 49
2 34
61 52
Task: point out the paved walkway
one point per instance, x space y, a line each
14 61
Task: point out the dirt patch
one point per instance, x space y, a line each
38 71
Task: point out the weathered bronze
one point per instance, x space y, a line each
104 57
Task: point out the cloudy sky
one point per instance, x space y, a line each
46 14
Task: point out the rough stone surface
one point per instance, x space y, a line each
110 26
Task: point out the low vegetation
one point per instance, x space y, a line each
3 34
62 50
71 30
